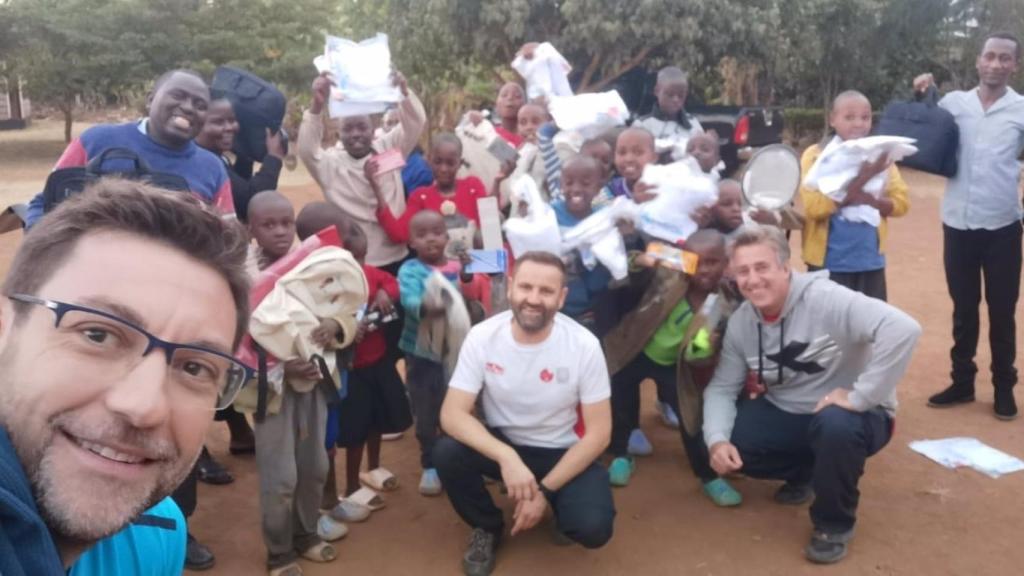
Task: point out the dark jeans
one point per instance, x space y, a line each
827 449
870 283
583 508
427 387
626 411
969 256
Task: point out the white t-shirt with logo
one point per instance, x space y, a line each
532 393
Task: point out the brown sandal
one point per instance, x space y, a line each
320 553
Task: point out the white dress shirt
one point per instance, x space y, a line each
984 195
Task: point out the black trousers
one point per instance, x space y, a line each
584 510
187 494
427 386
827 449
995 256
870 283
626 411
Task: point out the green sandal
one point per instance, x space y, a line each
722 493
621 470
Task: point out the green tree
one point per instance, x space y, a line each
73 49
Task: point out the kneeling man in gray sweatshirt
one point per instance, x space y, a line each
819 364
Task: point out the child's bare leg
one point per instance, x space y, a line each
353 458
373 450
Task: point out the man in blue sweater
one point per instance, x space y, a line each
164 140
117 322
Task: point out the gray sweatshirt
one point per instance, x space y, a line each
827 337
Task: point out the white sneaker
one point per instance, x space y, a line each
392 437
349 511
329 529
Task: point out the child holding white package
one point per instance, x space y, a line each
852 251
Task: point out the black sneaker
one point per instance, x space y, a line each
211 471
1006 406
479 557
197 556
794 494
828 548
955 394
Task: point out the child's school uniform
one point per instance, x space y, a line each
467 191
376 400
852 252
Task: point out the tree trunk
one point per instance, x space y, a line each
67 108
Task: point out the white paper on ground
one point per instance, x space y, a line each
969 452
546 74
589 114
839 163
362 75
680 189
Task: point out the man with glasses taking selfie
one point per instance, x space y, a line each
117 324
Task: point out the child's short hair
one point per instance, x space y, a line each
316 216
672 74
443 138
635 129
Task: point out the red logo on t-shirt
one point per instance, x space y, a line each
546 375
494 368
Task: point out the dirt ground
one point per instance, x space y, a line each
915 516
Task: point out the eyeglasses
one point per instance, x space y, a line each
105 346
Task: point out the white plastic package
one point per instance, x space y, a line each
681 189
969 452
597 237
840 162
538 230
546 74
362 76
477 160
589 114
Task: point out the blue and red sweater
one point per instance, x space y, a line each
204 171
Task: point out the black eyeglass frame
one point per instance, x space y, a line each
60 309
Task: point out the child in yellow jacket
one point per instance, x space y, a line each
852 252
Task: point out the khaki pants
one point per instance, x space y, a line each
292 464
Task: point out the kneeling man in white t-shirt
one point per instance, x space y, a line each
539 376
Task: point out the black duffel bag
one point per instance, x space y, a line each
935 129
63 183
258 105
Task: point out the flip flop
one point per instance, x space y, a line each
368 498
292 569
380 479
321 553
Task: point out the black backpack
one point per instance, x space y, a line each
258 105
935 129
63 183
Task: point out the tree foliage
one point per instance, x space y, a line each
456 52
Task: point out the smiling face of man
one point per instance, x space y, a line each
99 442
177 109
